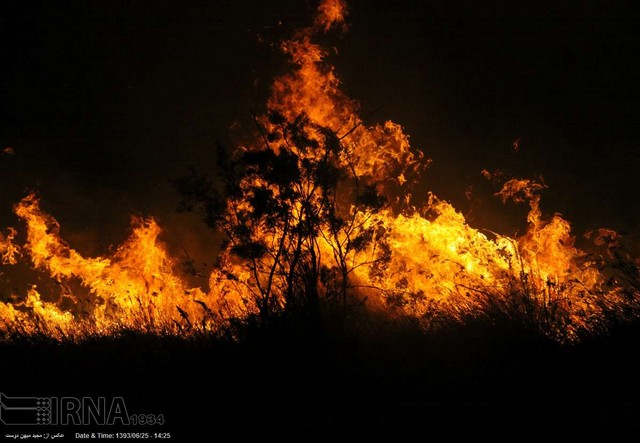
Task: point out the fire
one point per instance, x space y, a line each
324 208
330 13
134 288
9 250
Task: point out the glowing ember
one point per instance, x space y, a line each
323 208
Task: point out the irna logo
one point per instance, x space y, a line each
71 411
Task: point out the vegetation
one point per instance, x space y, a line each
482 373
276 206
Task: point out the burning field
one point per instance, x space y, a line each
319 208
325 228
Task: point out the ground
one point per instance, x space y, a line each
475 374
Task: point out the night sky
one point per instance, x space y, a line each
103 102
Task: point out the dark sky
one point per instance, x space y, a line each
105 101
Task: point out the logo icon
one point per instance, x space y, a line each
25 410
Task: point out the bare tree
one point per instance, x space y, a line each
288 211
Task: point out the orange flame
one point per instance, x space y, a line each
381 152
331 12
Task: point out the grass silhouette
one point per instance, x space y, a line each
369 370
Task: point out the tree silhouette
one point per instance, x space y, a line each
292 213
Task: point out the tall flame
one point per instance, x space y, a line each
424 262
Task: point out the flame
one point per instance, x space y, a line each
425 262
8 249
381 152
330 13
134 288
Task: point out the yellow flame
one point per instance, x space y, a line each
134 288
8 249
